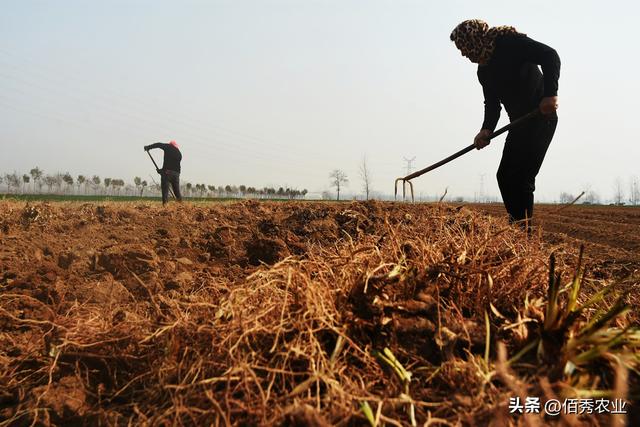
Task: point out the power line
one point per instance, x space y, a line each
147 116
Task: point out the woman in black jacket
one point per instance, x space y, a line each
508 72
170 172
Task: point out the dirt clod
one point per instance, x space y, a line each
268 251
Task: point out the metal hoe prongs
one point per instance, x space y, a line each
407 179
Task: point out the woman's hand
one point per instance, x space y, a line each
482 139
549 104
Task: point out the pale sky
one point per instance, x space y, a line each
280 93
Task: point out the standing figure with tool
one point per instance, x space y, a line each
508 72
170 172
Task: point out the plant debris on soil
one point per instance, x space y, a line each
292 313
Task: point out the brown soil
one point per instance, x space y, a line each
611 234
261 313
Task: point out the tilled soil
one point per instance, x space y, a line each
262 313
611 234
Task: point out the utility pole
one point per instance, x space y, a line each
481 195
409 161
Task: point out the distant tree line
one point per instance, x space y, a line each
621 194
37 182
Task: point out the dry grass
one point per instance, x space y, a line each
300 340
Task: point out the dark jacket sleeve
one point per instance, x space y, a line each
491 101
541 54
156 145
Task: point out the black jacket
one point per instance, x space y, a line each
512 77
172 156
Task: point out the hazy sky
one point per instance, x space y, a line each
279 93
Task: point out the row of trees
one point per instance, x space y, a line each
202 190
36 181
64 183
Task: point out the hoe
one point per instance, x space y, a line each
407 179
170 189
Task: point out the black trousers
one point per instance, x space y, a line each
523 153
170 178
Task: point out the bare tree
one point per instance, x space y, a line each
566 197
366 177
338 178
591 197
618 192
634 190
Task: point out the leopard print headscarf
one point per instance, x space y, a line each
476 40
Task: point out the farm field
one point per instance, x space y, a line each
263 313
611 234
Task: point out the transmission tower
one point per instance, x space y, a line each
409 161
